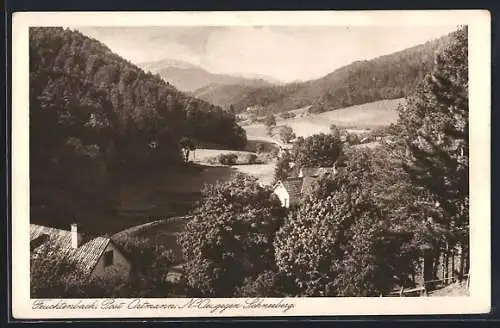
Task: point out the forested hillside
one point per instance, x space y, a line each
225 94
387 77
94 115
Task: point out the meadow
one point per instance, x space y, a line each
264 172
357 118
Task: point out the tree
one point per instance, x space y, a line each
436 132
187 145
231 236
286 134
352 139
270 123
334 247
283 169
319 150
335 131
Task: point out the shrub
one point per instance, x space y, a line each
250 159
352 139
317 150
266 284
227 159
286 134
287 115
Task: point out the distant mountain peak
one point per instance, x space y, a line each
167 62
189 77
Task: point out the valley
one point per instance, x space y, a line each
247 187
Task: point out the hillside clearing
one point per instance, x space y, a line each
263 172
354 118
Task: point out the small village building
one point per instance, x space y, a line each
290 191
96 257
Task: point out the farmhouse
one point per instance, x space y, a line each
96 257
290 191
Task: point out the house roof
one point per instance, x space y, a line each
85 257
307 185
293 186
316 171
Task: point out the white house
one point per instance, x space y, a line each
93 256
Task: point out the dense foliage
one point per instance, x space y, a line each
435 129
356 231
231 236
270 123
283 167
286 134
94 115
318 150
387 77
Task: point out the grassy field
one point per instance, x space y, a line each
154 196
204 155
354 118
263 172
174 193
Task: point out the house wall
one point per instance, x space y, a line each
120 266
283 195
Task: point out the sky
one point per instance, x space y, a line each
284 53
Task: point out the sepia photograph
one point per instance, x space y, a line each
258 161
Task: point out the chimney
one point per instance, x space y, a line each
75 236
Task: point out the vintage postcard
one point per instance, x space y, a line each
242 164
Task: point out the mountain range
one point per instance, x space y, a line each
386 77
188 77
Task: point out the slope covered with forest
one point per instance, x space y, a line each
386 77
95 118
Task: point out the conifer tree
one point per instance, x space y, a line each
435 130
